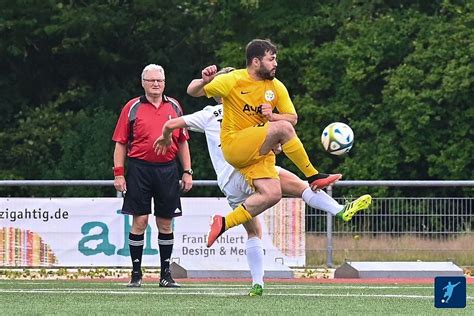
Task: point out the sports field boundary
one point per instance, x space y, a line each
152 276
394 281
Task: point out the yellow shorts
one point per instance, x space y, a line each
241 150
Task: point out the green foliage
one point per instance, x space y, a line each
86 146
428 99
398 72
34 142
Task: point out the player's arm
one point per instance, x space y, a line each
162 143
272 117
120 153
292 118
173 124
285 107
196 87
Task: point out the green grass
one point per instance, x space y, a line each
112 298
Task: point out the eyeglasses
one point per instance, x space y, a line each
153 80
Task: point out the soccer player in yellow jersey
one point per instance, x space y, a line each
250 130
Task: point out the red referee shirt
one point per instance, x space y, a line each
147 128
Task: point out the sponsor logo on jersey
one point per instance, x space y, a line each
217 112
252 110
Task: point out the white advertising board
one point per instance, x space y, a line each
91 232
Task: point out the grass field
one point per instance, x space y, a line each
57 297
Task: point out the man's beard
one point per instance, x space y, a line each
265 74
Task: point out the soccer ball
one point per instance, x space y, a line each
337 138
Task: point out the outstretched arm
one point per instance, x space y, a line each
162 143
196 87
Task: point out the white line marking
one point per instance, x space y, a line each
217 285
178 292
186 287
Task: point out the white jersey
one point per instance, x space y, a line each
208 121
231 182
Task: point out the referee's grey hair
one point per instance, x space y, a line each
152 67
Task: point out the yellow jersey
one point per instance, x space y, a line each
242 98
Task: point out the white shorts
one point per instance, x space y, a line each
237 190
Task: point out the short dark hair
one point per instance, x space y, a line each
257 48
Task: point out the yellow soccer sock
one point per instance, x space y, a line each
238 216
294 150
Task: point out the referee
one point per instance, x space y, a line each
148 174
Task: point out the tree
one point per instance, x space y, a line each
397 72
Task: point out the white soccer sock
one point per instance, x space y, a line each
322 201
254 247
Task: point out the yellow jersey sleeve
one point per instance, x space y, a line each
220 86
284 105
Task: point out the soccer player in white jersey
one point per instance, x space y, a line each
233 185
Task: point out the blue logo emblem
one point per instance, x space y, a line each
450 292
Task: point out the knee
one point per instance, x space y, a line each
286 129
139 226
164 226
273 196
268 192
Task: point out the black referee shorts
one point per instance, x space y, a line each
147 180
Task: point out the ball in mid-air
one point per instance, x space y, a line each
337 138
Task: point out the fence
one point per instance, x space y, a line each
396 229
393 229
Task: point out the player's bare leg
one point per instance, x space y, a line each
282 132
267 193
